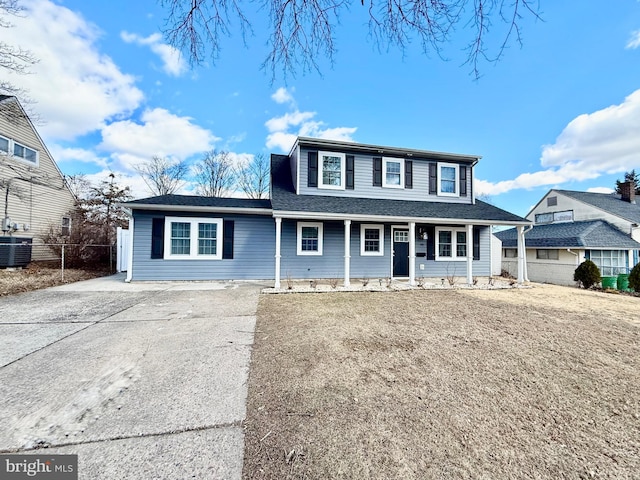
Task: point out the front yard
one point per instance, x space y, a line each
523 383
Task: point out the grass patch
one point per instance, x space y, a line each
37 276
433 384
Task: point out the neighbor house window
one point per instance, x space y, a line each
610 262
4 145
552 201
66 226
310 238
25 153
546 254
448 179
510 252
372 240
193 238
393 169
332 170
451 244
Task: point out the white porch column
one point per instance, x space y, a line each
412 253
130 252
278 236
347 252
521 254
469 254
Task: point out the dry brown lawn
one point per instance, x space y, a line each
520 383
37 276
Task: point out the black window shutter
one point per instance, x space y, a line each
312 170
431 243
350 172
408 174
476 243
377 171
433 178
227 244
463 181
157 237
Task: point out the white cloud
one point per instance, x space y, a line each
67 154
634 40
282 95
172 61
280 135
600 190
158 133
71 73
603 142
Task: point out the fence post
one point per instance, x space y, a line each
111 258
62 266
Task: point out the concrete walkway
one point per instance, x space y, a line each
141 380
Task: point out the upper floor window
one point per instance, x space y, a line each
4 145
20 152
393 169
309 238
66 226
332 170
193 238
448 179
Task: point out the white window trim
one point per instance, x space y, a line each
454 245
193 237
456 183
343 169
13 156
380 228
385 160
320 227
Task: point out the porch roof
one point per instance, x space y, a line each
285 203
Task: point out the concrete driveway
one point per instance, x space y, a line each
141 380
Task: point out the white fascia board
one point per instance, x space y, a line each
184 208
388 219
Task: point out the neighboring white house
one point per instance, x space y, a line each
570 227
33 192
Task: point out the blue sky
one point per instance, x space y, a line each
562 111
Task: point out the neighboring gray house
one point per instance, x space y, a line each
570 227
337 210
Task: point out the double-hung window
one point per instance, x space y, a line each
371 240
331 170
451 244
393 172
448 180
310 238
193 238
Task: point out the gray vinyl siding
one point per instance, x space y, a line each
363 181
253 251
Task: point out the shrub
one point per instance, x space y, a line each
634 278
587 273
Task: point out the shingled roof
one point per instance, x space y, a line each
609 202
284 199
588 234
199 202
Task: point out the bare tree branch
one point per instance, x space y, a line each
303 32
161 175
253 178
214 174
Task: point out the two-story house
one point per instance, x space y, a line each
337 210
33 192
570 227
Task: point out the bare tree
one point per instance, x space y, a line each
78 184
304 31
253 177
215 174
162 175
13 58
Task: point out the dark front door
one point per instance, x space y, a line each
401 253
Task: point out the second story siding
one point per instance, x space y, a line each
349 173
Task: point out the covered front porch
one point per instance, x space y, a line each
364 247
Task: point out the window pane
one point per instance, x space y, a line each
393 173
331 170
448 179
30 155
309 239
207 238
444 243
180 238
371 240
4 145
401 236
18 150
